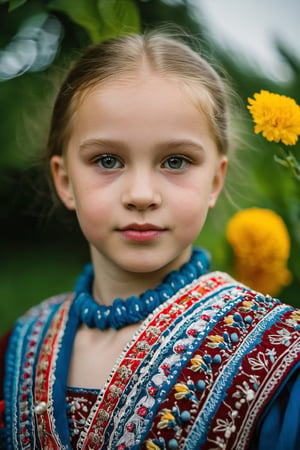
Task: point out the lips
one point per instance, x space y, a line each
141 227
141 232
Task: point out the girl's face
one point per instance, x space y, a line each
141 170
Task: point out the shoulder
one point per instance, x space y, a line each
35 319
48 304
29 318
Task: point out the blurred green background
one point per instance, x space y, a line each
43 250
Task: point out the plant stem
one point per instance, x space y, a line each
289 161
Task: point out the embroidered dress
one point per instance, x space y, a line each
199 373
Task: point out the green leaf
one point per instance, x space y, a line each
35 20
14 4
120 16
82 12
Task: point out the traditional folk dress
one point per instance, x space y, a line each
215 366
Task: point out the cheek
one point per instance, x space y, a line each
92 209
191 210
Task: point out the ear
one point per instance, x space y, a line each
218 181
61 181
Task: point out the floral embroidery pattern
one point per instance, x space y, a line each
258 375
198 386
79 404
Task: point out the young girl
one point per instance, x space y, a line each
150 351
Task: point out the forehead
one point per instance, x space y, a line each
142 114
145 91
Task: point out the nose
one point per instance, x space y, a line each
140 190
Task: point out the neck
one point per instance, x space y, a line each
111 282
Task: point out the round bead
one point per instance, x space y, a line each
237 317
185 415
172 444
124 312
234 337
217 359
201 385
40 408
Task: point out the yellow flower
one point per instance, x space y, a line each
261 245
228 319
167 415
166 418
181 390
276 116
150 445
296 316
181 387
216 339
247 304
197 362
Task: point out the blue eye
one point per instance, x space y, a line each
175 162
109 162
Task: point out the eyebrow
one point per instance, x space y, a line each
164 146
177 143
90 143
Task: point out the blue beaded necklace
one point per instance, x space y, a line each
133 309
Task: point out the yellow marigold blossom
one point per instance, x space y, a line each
261 245
276 116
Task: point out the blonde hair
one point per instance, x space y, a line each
124 56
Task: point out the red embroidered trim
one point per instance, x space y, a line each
44 377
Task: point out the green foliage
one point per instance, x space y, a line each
27 280
13 4
119 16
102 19
82 13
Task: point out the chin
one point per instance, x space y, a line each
143 268
142 263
